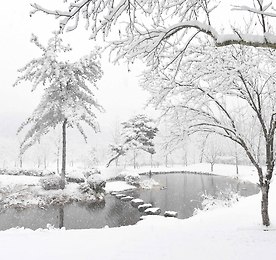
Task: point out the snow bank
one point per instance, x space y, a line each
117 186
227 233
224 233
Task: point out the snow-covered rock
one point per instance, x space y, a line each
136 202
127 198
153 211
120 195
170 214
143 207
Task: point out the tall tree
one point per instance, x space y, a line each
67 99
137 134
151 29
223 91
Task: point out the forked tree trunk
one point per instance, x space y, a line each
264 205
212 166
63 163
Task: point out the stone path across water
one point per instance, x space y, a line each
142 206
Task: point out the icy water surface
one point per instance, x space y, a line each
177 192
183 192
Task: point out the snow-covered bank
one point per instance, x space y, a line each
246 173
228 233
225 233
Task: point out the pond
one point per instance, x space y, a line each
177 192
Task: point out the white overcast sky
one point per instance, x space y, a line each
119 91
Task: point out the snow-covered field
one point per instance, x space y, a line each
225 233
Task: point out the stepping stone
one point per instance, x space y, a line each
127 198
136 202
170 214
143 207
153 211
119 196
113 193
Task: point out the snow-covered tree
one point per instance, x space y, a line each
67 100
137 134
160 31
213 151
229 91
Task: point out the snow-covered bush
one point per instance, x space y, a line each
132 179
75 176
148 184
26 172
51 182
85 188
93 171
223 199
96 182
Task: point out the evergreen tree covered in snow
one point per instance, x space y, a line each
67 99
137 134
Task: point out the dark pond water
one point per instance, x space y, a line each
183 193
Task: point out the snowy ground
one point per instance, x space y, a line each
225 233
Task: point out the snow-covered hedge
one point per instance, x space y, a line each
51 182
131 178
92 171
26 172
223 199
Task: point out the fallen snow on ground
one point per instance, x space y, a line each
6 180
233 233
247 173
228 233
117 186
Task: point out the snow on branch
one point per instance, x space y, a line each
67 91
156 31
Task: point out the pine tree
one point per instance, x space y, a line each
138 134
67 99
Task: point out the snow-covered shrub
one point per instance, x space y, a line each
51 182
93 171
85 188
26 172
75 176
148 184
132 179
3 172
96 182
223 199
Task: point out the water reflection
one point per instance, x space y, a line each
184 192
179 192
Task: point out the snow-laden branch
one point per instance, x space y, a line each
158 31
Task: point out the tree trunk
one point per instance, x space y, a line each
202 151
20 161
45 162
134 159
265 216
212 166
63 164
